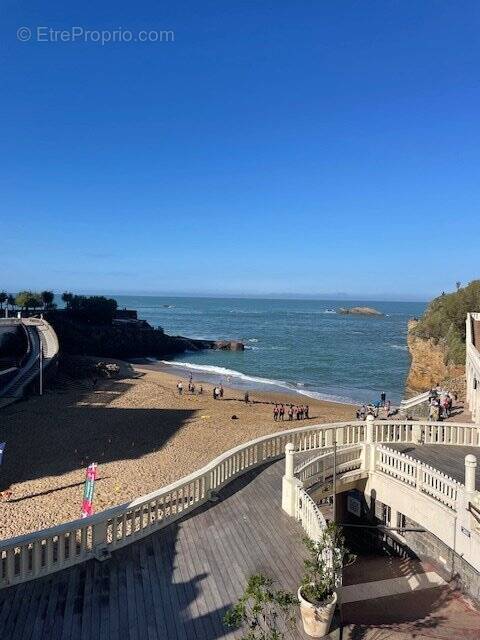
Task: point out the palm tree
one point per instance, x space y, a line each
47 299
67 298
10 301
3 298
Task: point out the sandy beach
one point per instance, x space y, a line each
142 434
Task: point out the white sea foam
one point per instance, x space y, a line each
402 347
326 396
223 371
232 373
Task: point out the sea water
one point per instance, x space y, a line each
299 345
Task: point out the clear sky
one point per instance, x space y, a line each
273 146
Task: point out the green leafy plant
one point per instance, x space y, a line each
264 612
324 564
444 320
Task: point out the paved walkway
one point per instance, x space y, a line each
429 609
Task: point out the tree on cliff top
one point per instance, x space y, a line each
94 309
28 300
444 320
47 299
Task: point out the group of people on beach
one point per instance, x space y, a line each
294 412
191 387
440 403
373 408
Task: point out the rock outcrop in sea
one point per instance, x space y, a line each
126 340
361 311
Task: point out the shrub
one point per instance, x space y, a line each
444 320
264 612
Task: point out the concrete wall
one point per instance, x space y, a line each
451 540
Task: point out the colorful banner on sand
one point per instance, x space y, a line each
88 491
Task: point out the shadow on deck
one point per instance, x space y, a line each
175 584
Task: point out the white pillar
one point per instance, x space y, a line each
369 429
289 451
417 433
470 468
289 482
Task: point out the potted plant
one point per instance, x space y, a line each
323 567
264 612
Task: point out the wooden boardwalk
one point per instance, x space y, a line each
174 585
449 459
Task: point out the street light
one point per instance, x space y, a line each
40 360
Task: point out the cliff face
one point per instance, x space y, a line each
428 367
120 340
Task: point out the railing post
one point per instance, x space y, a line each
417 433
289 482
369 429
419 477
289 453
99 534
470 467
369 449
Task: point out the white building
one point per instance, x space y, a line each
472 365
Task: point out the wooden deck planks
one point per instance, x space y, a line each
176 584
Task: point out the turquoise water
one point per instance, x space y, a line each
294 344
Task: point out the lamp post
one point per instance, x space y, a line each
334 477
40 360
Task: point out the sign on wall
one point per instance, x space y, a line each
354 506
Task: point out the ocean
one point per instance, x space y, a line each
294 345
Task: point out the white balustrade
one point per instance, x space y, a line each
309 515
419 475
43 552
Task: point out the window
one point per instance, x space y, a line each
386 515
401 521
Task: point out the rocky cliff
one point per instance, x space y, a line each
428 366
125 340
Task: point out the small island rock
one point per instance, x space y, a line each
361 311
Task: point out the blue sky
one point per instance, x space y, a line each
271 147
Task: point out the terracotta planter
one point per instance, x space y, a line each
316 618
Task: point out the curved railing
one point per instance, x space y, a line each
43 552
318 469
40 334
309 515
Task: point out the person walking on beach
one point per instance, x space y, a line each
282 412
246 397
221 391
383 397
180 387
200 390
275 412
290 412
307 411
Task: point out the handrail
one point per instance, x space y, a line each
348 459
42 552
418 475
309 515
